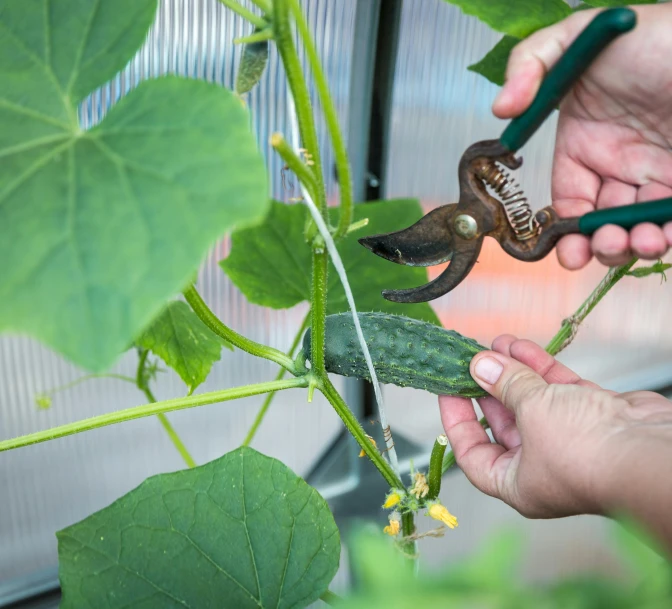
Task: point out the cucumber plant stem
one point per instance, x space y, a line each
568 328
281 373
263 5
143 385
295 164
331 118
318 312
290 60
237 340
147 410
245 13
358 432
256 37
435 466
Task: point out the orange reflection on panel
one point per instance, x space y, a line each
504 295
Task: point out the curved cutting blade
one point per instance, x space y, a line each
462 262
427 242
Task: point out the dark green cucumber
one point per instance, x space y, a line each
252 65
405 352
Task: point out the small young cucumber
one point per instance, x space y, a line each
405 352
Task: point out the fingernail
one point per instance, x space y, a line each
488 370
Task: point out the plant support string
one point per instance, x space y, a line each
340 270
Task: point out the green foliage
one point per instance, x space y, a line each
184 343
518 25
99 228
270 263
240 532
657 268
486 580
493 65
517 18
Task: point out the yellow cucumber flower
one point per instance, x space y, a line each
439 512
393 499
393 528
370 439
420 488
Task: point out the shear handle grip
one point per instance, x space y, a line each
658 212
602 30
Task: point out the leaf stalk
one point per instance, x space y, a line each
237 340
146 410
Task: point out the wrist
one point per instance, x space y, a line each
633 466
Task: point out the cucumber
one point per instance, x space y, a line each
252 65
405 352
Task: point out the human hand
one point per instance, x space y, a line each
614 137
563 445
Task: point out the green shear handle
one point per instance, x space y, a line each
601 31
658 212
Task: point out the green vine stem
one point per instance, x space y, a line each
318 312
283 38
571 325
569 328
295 164
358 433
46 395
245 13
408 546
435 466
331 599
237 340
263 5
147 410
141 382
266 34
281 373
331 117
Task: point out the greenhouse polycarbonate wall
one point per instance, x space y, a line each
48 486
439 108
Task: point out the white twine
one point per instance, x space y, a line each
340 269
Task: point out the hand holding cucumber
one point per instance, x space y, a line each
614 138
563 445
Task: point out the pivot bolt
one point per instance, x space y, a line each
465 226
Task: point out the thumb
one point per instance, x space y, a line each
532 58
506 379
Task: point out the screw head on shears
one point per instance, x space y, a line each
465 226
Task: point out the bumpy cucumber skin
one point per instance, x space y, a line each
405 352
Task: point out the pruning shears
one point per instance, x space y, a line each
491 203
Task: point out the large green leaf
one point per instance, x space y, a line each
271 263
493 65
517 18
184 343
99 228
240 532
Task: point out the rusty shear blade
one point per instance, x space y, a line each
463 260
425 243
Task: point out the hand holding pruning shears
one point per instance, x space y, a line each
610 151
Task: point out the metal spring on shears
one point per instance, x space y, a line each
518 210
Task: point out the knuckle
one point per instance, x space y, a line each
514 387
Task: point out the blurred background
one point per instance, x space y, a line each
409 107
